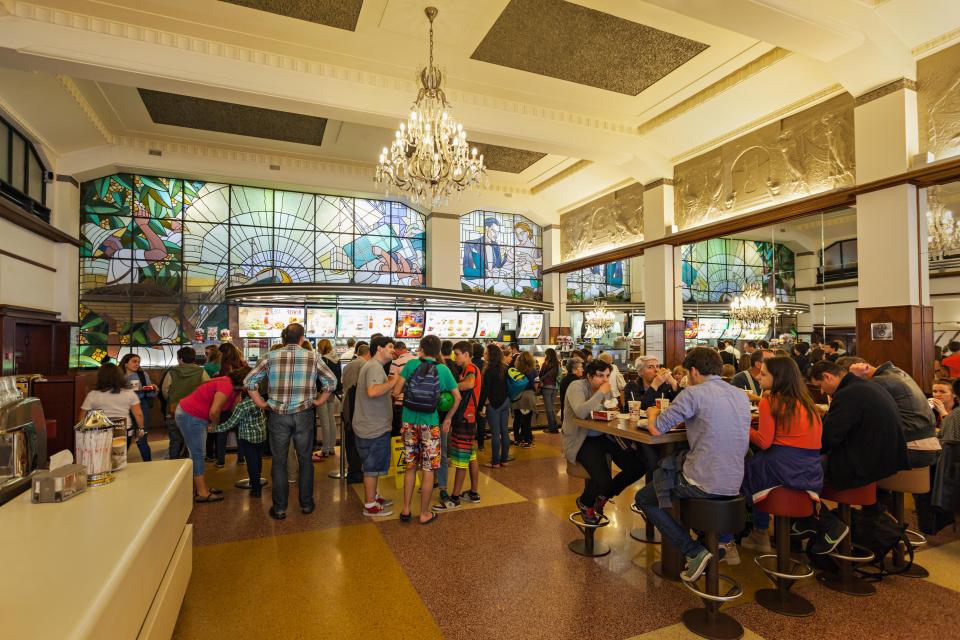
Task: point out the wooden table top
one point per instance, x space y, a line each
637 431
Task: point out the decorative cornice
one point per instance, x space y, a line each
68 179
819 96
157 37
24 125
936 43
725 83
74 92
626 182
560 176
885 90
662 182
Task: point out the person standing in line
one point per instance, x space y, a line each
523 383
179 382
477 359
230 360
462 446
113 395
146 392
351 373
422 381
372 417
325 414
350 353
574 373
251 425
212 365
402 357
292 374
549 375
495 405
446 352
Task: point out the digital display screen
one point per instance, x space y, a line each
734 329
321 323
637 325
267 322
488 324
711 328
451 324
410 324
363 323
691 328
531 326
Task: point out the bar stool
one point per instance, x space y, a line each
784 504
586 546
713 517
909 481
844 581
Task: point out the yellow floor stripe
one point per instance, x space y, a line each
679 632
943 564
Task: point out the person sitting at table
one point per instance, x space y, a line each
717 418
945 401
749 380
788 442
652 383
591 448
574 373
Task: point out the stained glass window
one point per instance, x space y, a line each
718 269
610 282
159 253
501 254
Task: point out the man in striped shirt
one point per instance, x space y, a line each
292 389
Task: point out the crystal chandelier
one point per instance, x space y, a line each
430 158
752 309
599 319
943 232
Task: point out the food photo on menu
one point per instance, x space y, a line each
363 323
488 325
267 322
321 323
410 324
451 324
531 326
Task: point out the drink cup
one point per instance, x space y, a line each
662 404
633 407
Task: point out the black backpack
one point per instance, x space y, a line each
421 392
877 532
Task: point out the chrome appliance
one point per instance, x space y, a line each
23 440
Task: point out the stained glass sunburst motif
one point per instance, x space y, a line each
716 270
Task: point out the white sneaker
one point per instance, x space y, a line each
729 553
758 541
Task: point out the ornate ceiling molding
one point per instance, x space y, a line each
933 44
204 46
74 92
885 90
24 125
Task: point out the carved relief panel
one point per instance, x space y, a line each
611 220
938 103
802 154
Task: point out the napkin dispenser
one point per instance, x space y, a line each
60 484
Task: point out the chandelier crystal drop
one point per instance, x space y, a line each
599 319
753 309
429 158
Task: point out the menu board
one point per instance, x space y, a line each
363 323
711 328
410 324
637 324
321 323
488 324
755 333
531 326
734 329
451 324
690 329
267 322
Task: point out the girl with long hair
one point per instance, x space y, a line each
146 391
325 413
788 443
525 402
112 395
495 405
549 378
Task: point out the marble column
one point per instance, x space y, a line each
662 294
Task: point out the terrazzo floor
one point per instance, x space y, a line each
500 570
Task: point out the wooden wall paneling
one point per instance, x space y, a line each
912 346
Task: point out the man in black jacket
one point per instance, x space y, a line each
862 438
652 383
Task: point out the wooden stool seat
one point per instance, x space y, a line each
907 481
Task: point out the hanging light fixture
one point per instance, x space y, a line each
430 158
753 309
599 319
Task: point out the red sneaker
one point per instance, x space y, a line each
383 502
377 511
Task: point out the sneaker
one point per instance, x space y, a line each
377 511
802 527
383 502
588 514
729 553
826 543
696 565
758 541
599 504
470 496
448 503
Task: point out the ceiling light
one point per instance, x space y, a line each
752 309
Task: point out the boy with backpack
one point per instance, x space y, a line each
422 381
462 444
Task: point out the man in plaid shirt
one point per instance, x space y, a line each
292 374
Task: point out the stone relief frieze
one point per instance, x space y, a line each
938 103
802 154
943 227
611 220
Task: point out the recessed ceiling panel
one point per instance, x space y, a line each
506 159
574 43
342 14
226 117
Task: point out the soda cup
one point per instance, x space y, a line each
633 406
662 404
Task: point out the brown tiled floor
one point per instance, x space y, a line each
500 569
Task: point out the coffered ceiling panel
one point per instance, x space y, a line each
226 117
578 44
506 159
342 14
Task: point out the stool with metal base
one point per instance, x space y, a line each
713 517
910 481
783 504
588 546
844 581
649 533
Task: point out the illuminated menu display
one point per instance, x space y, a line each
363 323
488 324
321 323
410 324
734 329
451 324
637 324
531 326
711 328
267 322
690 329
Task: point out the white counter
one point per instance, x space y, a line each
113 562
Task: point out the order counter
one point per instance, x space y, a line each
111 563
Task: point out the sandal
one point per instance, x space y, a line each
211 497
490 465
405 517
433 517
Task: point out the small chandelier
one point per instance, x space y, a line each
752 309
430 158
599 319
943 232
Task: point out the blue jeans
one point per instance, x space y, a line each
175 450
549 405
442 471
676 533
194 432
281 428
499 418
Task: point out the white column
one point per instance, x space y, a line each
662 292
554 284
443 251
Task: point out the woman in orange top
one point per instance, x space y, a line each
787 440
